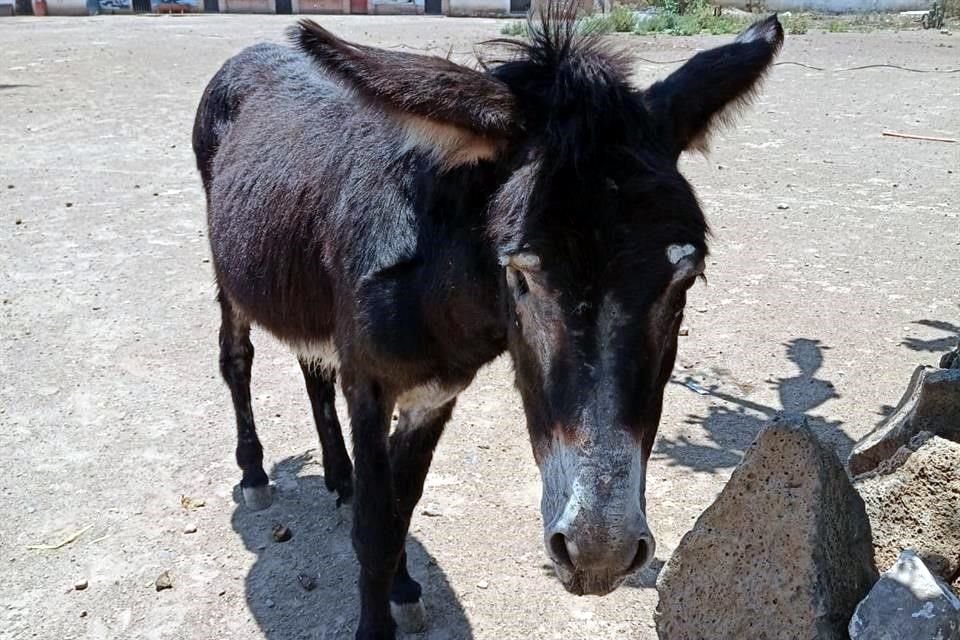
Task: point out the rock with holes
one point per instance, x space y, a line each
931 403
908 602
784 551
913 500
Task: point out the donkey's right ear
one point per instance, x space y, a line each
458 114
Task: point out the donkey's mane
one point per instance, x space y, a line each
571 84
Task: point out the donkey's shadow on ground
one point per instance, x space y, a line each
306 587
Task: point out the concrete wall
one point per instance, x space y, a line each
394 7
828 6
321 6
67 8
248 6
478 7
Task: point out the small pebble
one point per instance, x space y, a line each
190 528
281 533
307 582
83 614
269 603
431 510
69 204
483 584
9 186
18 221
80 586
684 331
783 207
164 581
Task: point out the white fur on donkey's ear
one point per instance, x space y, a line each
450 145
767 30
456 114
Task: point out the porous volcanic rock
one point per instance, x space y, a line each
784 552
931 403
913 501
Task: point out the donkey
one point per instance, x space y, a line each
400 220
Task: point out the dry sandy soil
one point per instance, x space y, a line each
834 273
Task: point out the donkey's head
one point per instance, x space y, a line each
598 236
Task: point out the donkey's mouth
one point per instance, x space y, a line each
582 583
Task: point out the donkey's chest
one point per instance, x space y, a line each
440 317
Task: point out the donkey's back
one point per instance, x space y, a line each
287 160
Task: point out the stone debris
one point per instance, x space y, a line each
163 581
784 552
913 500
281 533
81 585
908 602
931 403
308 582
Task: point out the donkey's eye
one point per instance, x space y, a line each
517 281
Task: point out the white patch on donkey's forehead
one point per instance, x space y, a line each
677 252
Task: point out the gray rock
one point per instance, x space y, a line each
913 500
907 602
951 359
931 403
784 552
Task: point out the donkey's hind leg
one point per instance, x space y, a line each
236 360
337 468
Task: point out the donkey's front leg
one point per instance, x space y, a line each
378 529
411 451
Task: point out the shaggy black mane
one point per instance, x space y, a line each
571 86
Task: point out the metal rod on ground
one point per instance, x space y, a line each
895 134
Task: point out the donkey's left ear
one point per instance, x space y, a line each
712 84
458 114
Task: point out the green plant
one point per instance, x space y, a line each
837 26
689 19
796 25
596 23
623 19
514 28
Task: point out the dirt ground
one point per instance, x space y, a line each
834 273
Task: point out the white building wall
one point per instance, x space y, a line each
478 7
830 6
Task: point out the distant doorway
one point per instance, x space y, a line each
433 7
519 6
142 6
284 7
358 6
211 6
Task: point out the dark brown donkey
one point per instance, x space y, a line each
402 220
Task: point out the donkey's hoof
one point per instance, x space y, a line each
257 498
411 617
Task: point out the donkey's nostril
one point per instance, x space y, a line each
559 551
645 548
